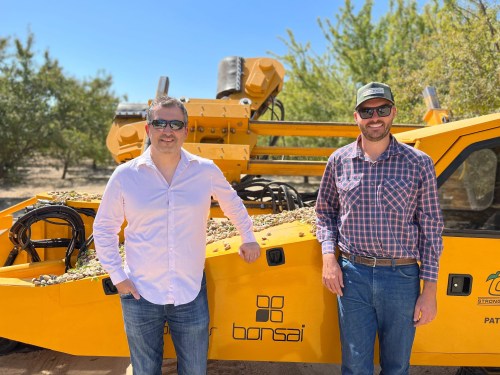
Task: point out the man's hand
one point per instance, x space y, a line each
126 287
332 274
426 306
250 251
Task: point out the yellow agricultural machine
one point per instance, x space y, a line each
275 309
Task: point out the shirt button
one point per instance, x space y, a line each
372 184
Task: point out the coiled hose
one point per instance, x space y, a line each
281 196
20 232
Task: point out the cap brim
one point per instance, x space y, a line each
373 97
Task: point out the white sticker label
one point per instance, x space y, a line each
374 91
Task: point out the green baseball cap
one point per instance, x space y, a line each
374 90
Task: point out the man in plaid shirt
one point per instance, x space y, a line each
378 203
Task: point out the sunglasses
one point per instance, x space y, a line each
162 124
382 111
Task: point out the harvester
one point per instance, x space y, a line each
275 309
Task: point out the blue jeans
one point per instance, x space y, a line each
377 300
188 325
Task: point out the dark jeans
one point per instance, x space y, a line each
188 324
377 300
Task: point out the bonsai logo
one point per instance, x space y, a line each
270 309
494 289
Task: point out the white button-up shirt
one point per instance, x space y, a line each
165 236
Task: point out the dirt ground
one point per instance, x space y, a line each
47 362
41 178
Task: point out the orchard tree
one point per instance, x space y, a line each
452 45
24 106
459 56
45 112
81 115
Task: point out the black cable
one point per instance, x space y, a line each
279 195
20 233
274 116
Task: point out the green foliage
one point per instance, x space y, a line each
24 107
315 89
461 57
453 45
45 112
80 110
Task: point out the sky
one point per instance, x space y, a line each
136 42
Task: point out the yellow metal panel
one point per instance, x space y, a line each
216 111
293 151
125 139
30 270
238 153
259 311
77 318
270 313
466 329
315 129
16 208
285 168
436 141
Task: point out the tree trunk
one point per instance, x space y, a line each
65 169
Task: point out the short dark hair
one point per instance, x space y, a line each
165 101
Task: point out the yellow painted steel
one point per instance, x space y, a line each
259 312
315 129
78 318
293 151
463 332
74 317
286 168
445 142
125 139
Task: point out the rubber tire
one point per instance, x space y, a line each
7 346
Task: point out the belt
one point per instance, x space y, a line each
373 261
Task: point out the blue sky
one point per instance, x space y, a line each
137 42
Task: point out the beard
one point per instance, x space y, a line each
375 135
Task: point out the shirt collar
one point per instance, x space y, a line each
145 158
355 150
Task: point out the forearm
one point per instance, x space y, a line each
232 206
429 288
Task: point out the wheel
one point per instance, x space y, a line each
7 346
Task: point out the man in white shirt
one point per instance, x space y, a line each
165 196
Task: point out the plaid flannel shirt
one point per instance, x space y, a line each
388 208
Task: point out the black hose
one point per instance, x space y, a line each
279 195
20 233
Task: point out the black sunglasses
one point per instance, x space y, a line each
162 124
382 111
